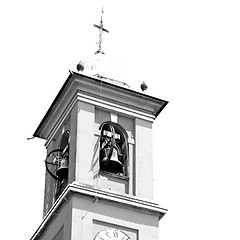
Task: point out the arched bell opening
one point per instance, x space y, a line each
57 163
113 155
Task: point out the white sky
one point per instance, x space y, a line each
188 52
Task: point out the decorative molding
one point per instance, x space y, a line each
78 96
105 95
115 107
99 195
62 118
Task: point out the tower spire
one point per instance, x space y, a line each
101 30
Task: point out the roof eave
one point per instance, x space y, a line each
38 132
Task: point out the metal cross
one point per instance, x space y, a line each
101 30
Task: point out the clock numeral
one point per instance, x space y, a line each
112 234
107 234
115 234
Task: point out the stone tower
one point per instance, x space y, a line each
99 166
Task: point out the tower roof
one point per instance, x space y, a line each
105 68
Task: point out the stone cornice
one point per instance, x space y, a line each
126 200
81 190
100 93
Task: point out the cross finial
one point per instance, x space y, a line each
101 30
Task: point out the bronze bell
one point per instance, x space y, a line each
62 171
113 164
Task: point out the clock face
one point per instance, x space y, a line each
112 234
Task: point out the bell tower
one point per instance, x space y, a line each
99 171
